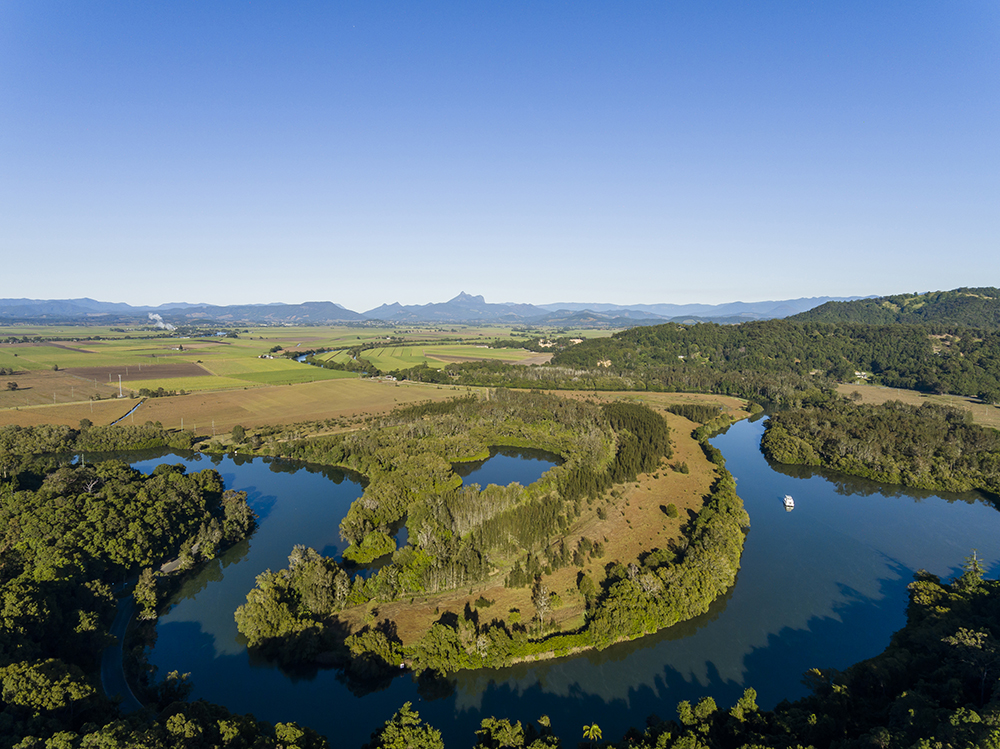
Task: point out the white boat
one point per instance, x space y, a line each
789 502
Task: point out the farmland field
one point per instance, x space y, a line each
136 372
63 378
450 354
256 406
391 358
277 405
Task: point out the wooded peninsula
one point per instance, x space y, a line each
465 536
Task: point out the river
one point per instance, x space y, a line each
821 586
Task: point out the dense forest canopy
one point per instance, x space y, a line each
939 359
36 447
926 447
966 307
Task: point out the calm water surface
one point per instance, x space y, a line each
821 586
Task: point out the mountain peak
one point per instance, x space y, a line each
467 299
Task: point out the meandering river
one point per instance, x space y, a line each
821 586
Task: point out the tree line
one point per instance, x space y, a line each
927 446
938 358
37 447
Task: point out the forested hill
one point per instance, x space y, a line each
939 359
973 308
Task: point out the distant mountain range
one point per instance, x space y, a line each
464 308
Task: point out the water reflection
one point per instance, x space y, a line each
505 465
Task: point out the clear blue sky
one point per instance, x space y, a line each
370 152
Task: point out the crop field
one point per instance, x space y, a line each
301 373
270 371
314 401
45 387
256 406
395 357
66 355
68 414
341 357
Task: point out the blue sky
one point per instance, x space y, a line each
370 152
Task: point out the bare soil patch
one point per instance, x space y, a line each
139 371
69 348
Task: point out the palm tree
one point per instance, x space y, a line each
592 732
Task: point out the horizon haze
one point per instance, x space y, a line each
232 153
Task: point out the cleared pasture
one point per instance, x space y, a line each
302 373
11 359
207 382
68 414
982 413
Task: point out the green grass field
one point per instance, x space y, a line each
395 357
341 357
187 384
390 358
477 352
254 366
303 373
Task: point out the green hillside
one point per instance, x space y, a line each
734 358
974 308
